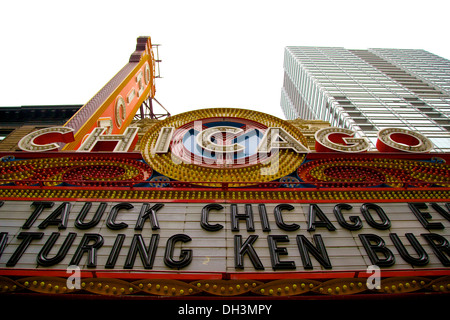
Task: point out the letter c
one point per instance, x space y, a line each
44 139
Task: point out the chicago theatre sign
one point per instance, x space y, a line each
221 201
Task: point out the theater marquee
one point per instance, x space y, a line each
225 202
219 202
224 238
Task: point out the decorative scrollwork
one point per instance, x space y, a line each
219 287
368 172
88 171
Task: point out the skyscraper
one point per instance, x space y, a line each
368 90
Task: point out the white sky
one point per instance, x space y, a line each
215 53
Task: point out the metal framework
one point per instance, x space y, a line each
146 110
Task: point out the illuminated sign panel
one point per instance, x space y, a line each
227 137
223 237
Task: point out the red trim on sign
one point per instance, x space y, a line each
407 273
43 273
195 276
291 275
191 276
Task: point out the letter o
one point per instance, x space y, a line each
397 139
147 74
120 111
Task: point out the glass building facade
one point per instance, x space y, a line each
368 90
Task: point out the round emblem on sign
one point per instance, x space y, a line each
219 142
223 145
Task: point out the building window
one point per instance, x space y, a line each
4 133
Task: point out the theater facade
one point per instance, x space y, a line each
219 202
